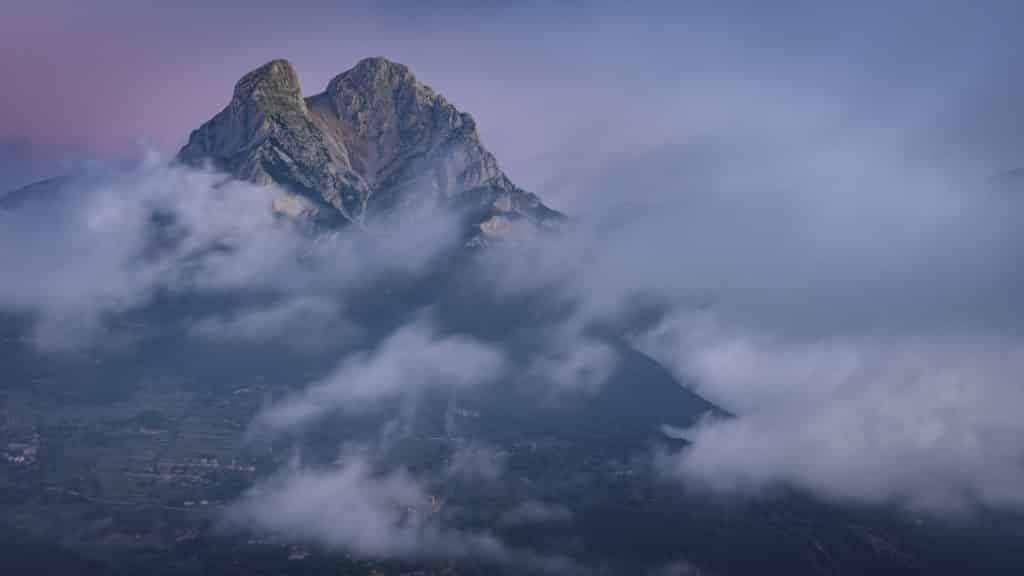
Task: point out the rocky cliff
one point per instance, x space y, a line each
375 140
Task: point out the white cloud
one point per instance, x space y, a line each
387 514
574 364
411 360
113 240
476 462
379 514
305 323
929 421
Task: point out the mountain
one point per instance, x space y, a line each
42 190
375 140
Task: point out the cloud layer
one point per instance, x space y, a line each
406 364
117 238
357 506
352 506
928 421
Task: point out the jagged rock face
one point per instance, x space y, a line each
266 135
375 140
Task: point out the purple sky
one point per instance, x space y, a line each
101 76
552 84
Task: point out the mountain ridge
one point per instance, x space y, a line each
375 140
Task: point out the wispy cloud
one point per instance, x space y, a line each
303 323
114 240
373 512
407 363
353 506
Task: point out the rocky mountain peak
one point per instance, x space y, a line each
275 79
376 70
375 140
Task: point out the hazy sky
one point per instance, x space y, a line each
560 89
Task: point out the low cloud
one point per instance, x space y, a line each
412 360
476 462
385 514
572 363
928 422
354 507
303 323
862 269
